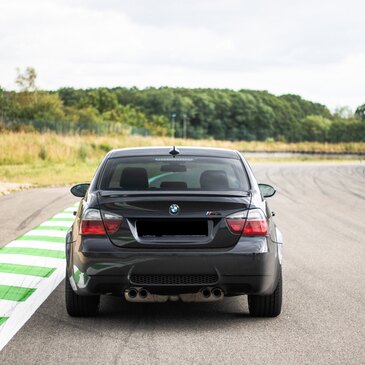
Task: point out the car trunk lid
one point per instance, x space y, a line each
174 220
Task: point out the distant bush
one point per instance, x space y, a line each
42 153
105 147
82 152
315 128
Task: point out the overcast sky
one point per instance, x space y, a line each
312 48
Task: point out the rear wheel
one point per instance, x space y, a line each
267 305
80 306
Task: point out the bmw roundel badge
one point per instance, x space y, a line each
174 209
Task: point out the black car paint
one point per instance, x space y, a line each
104 265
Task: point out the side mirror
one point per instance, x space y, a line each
79 190
266 190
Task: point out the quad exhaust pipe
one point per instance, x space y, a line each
142 295
132 293
217 293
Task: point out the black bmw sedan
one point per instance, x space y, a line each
158 224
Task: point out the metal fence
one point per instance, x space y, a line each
67 127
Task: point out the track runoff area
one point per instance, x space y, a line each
31 267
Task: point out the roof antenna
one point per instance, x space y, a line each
174 151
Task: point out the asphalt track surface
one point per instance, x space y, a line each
320 208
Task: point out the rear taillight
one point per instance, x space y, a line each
93 224
249 223
112 221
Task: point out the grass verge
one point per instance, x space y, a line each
50 159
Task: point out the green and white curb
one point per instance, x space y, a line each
31 267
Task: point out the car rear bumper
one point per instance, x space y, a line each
250 267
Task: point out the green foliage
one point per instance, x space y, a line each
42 153
360 112
33 106
105 147
208 113
352 130
315 128
82 152
101 99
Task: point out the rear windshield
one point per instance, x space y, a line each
179 173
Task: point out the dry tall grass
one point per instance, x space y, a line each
24 148
48 158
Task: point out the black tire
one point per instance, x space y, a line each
80 306
267 305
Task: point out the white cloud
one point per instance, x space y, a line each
314 49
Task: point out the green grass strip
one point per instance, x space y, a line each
41 238
15 293
3 320
51 228
61 219
33 252
43 272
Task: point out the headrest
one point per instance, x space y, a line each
174 185
214 180
134 178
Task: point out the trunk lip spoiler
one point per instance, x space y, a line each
141 193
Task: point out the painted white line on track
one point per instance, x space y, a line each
56 246
55 224
51 233
24 310
30 260
64 215
71 209
6 307
19 309
25 281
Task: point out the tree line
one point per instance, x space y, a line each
206 113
